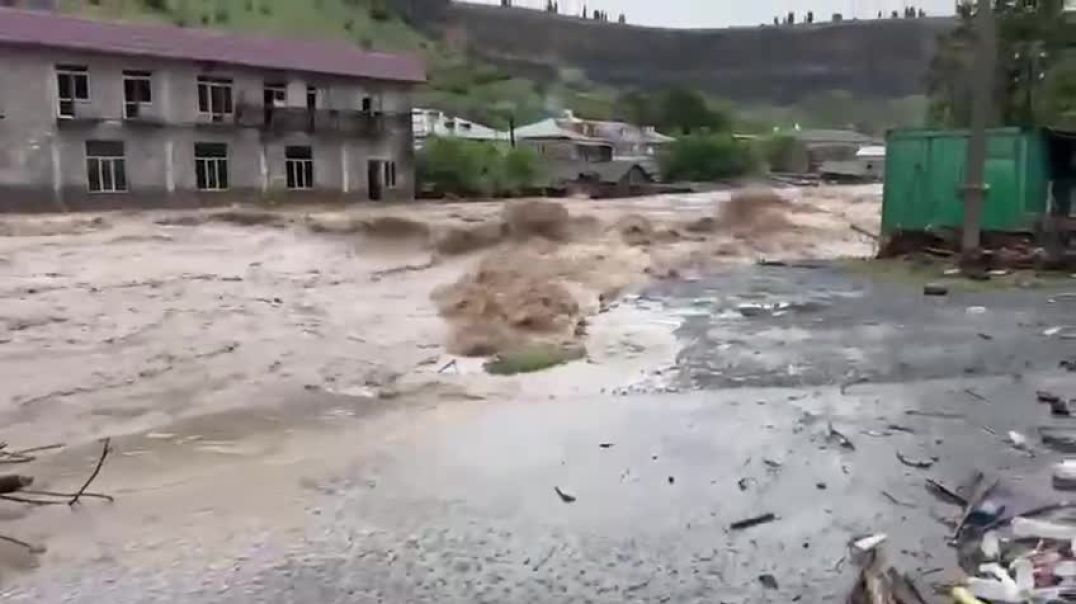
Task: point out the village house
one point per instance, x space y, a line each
97 114
428 123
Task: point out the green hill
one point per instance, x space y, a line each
457 83
467 85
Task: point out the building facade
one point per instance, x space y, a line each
99 115
427 123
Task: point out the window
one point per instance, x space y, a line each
106 168
136 92
368 106
311 106
215 97
211 166
299 163
390 174
273 95
73 84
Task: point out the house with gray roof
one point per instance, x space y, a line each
97 114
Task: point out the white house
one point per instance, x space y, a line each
432 122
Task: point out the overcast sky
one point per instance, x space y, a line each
719 13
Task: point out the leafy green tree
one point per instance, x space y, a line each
1032 41
687 111
707 157
1057 101
463 167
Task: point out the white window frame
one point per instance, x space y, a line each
73 72
299 172
211 84
212 166
136 76
389 174
113 165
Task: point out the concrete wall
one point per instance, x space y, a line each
43 160
880 59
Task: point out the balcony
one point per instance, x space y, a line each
348 123
78 114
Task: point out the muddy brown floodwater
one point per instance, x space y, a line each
233 354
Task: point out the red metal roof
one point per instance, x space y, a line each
43 29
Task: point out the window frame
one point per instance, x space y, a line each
211 169
389 174
115 166
131 75
299 167
73 73
207 87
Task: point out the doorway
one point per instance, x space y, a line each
375 179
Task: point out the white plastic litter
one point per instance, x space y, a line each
991 546
1029 527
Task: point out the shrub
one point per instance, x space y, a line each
521 169
705 157
783 153
533 358
464 167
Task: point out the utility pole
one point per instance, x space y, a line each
982 101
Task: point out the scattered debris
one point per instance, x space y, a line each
1045 396
985 336
1017 440
945 494
863 231
565 496
899 428
937 414
671 480
821 486
747 523
975 395
768 581
915 463
975 310
1061 408
1068 364
878 582
743 483
836 436
935 289
605 445
896 501
453 364
1064 475
773 463
1059 438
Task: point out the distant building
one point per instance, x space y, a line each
594 140
867 165
98 114
617 178
432 122
823 145
630 141
562 140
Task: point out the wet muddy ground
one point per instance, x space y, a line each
267 452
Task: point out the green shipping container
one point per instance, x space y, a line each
925 171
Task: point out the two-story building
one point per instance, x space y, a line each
99 114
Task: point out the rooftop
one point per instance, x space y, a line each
50 30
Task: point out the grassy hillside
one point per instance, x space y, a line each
366 22
464 85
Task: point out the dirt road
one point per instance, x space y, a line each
237 358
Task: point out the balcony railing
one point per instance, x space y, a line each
322 121
279 120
